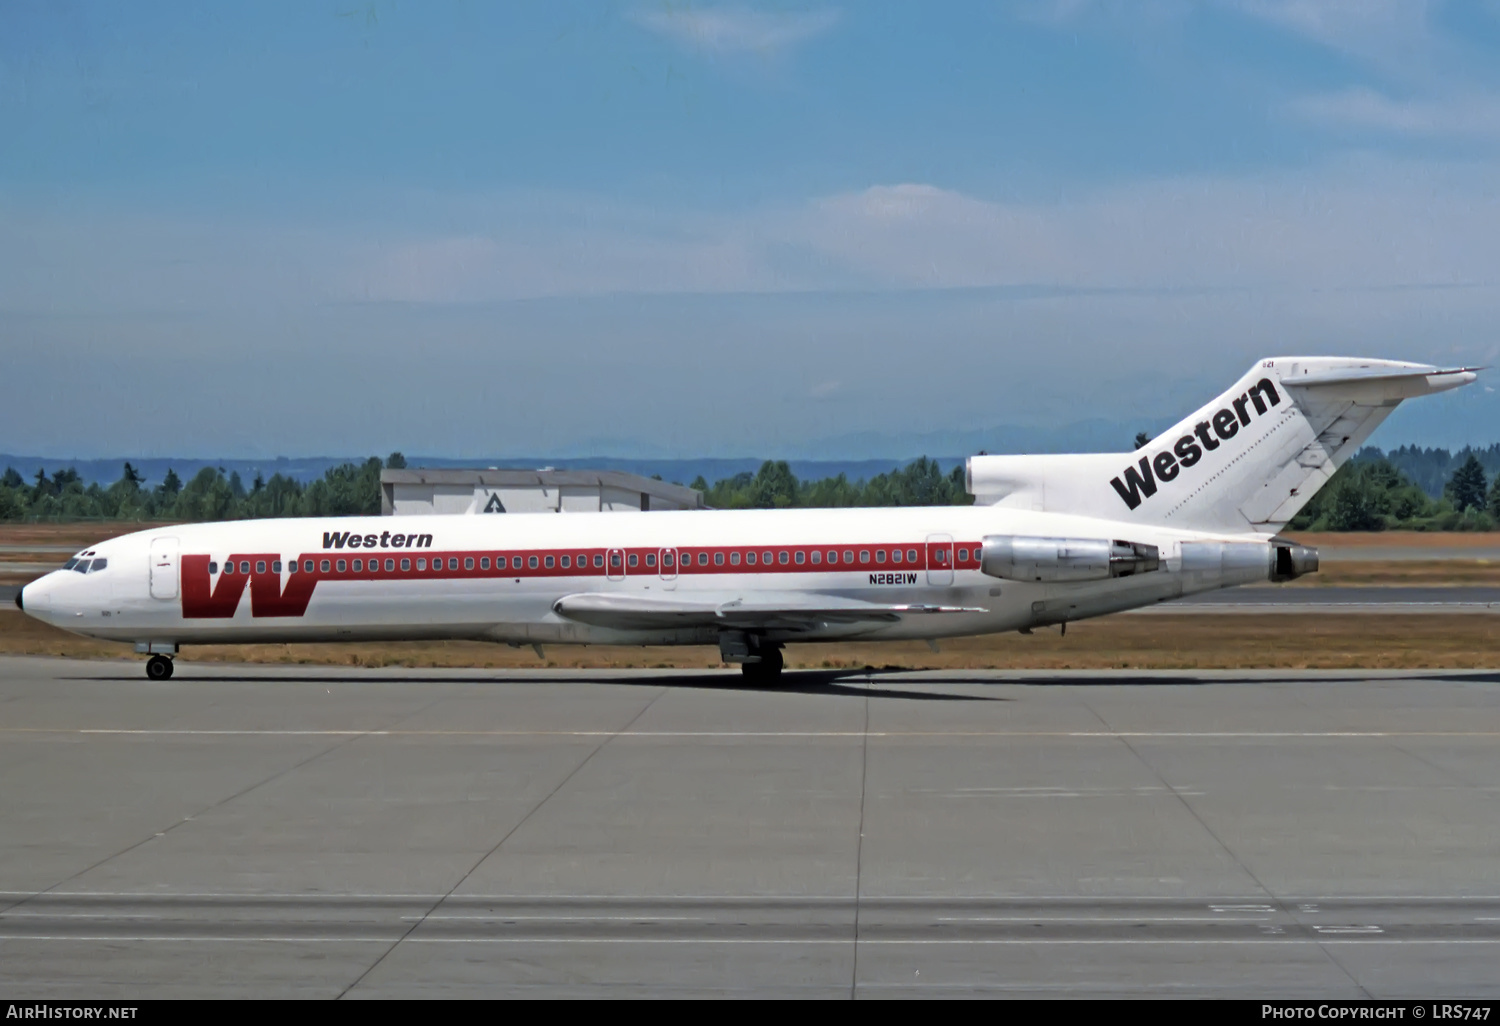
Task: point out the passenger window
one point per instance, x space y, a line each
703 559
260 566
484 563
548 561
668 560
750 558
405 565
276 567
765 557
421 564
782 557
801 557
598 559
531 562
734 559
895 555
911 555
390 565
342 566
374 566
880 555
718 559
650 559
245 566
307 566
321 566
849 556
817 557
452 562
213 567
468 562
359 566
567 562
614 560
583 560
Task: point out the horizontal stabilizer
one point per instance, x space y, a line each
762 611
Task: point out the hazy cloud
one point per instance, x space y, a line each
1349 224
1472 116
730 30
1388 32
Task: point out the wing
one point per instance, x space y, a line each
768 611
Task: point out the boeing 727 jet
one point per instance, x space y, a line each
1049 539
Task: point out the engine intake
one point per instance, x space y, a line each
1019 558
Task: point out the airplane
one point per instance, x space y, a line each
1048 540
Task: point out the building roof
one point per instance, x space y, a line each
516 478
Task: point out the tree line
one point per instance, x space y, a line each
920 483
1370 493
352 489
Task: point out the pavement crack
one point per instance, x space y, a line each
1188 806
859 845
419 920
217 804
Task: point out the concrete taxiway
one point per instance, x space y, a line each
316 831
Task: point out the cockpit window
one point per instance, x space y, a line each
70 564
99 564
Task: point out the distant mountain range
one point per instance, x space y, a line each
305 469
862 456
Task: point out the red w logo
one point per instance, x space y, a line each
202 599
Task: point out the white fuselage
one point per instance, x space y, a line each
501 578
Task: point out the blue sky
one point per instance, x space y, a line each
709 229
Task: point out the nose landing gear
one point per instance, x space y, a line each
159 667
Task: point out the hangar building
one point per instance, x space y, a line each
412 491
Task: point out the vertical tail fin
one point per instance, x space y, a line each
1248 461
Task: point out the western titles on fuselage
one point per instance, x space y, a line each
383 540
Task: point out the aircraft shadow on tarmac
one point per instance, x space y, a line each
795 682
851 683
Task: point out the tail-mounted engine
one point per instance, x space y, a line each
1292 560
1019 558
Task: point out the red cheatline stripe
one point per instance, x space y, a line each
594 562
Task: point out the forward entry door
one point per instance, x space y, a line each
164 568
939 559
667 561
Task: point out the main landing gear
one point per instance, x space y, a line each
768 669
159 667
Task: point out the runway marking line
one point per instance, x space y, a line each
533 897
843 941
1206 734
1098 919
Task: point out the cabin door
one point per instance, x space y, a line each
164 568
940 559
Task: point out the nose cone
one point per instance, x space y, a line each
32 599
